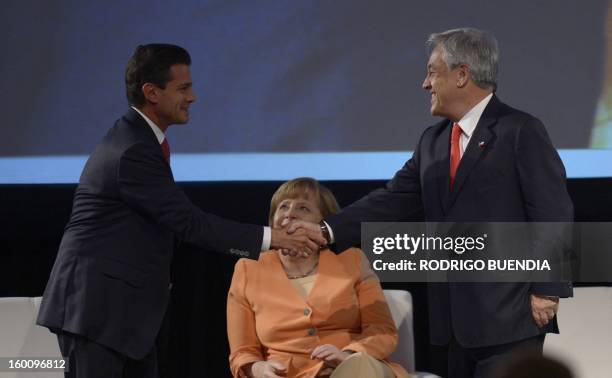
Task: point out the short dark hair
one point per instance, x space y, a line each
151 64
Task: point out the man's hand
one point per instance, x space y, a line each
543 308
312 227
330 354
302 241
268 369
298 226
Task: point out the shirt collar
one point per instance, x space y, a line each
470 119
158 133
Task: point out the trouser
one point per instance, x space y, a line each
484 362
362 365
88 359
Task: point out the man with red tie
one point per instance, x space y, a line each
484 162
109 287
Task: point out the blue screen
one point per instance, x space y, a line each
329 89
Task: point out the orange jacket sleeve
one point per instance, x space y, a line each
244 344
378 337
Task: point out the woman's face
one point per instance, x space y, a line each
301 208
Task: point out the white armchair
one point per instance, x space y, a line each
400 304
21 337
585 340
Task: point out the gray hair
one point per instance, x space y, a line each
475 48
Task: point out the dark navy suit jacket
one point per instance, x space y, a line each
514 175
110 280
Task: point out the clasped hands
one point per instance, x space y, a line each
298 238
330 354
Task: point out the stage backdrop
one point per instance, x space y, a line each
297 76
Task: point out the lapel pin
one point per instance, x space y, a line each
481 144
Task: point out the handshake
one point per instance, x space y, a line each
299 238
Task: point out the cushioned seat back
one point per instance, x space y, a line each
400 304
21 337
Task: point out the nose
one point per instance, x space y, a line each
426 84
191 97
291 213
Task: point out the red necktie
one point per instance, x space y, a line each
166 150
455 153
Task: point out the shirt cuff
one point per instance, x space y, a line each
331 233
267 238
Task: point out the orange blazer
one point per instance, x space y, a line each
268 319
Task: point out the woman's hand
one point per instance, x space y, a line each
268 369
330 354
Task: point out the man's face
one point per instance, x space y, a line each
173 101
441 83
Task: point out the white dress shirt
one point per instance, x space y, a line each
469 121
158 133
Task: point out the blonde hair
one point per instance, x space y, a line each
304 187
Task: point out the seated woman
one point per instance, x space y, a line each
317 316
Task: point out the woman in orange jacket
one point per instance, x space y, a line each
323 315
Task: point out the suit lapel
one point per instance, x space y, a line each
141 126
322 275
144 130
479 142
331 277
442 149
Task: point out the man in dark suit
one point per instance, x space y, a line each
109 287
484 162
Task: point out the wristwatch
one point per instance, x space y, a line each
325 232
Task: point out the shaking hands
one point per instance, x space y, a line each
298 238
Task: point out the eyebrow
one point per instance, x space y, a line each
298 201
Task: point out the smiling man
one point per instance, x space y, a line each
110 284
484 162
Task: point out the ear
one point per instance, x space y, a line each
463 75
150 92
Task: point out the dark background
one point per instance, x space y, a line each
194 341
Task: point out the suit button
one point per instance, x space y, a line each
306 311
311 331
170 286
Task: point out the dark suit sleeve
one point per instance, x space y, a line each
146 185
399 201
545 197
